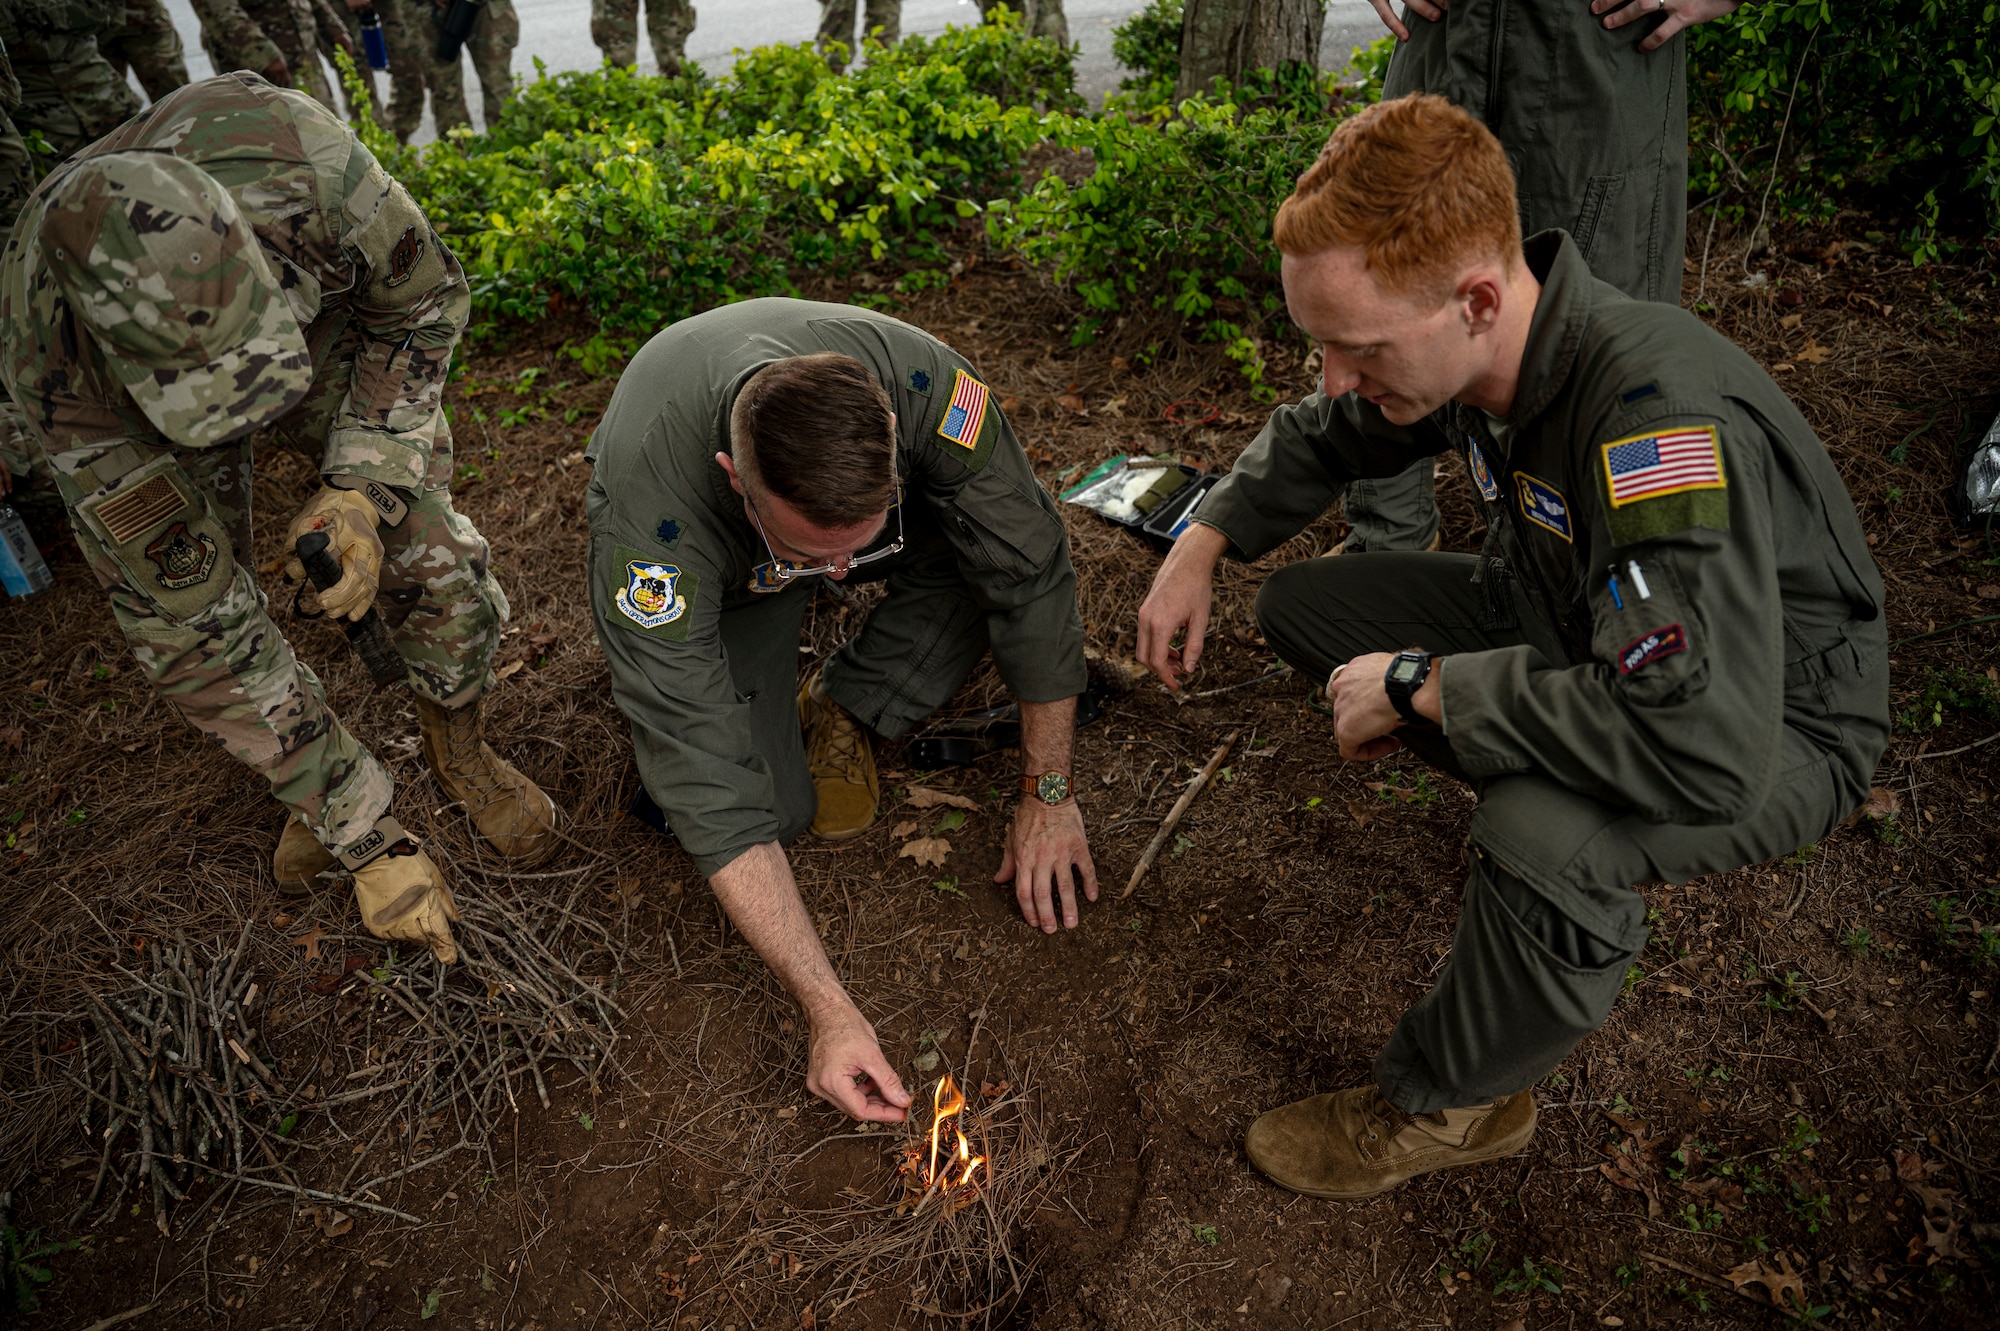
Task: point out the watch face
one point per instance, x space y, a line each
1052 787
1404 670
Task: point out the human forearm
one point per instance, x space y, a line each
762 899
1048 736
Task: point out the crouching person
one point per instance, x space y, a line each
1669 660
746 454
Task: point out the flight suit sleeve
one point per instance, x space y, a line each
232 32
1678 712
1012 549
1299 463
658 618
410 303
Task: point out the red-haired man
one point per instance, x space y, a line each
1669 660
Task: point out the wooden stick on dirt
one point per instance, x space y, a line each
1173 818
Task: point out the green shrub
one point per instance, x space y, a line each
1149 44
1901 95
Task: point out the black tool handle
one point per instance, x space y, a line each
368 635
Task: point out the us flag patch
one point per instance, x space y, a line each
1648 466
966 412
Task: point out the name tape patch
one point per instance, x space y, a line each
966 413
1670 640
1543 504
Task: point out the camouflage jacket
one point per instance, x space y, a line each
360 266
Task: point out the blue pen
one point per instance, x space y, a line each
1616 599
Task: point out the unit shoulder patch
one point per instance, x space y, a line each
403 256
1664 481
653 596
1482 475
1544 505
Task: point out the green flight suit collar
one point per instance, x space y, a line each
1555 334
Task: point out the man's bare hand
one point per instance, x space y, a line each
1430 9
1046 849
846 1069
1681 14
1179 601
1364 720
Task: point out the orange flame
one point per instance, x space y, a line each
947 1102
948 1131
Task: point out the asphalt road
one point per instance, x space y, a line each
558 31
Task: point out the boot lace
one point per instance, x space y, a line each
836 740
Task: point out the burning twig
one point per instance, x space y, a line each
954 1183
1173 818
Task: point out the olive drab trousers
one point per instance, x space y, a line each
1551 916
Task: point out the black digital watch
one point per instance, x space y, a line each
1406 674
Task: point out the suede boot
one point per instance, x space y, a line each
842 762
509 810
1356 1144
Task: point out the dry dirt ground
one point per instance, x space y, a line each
1801 1075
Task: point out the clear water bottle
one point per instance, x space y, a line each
23 571
373 46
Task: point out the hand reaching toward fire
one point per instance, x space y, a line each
846 1069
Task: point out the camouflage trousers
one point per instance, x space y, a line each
17 180
176 568
1039 18
69 91
614 26
836 24
409 27
146 40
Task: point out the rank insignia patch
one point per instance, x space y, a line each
668 533
764 579
403 258
650 597
1652 466
1670 640
184 557
1482 475
919 381
1543 505
966 413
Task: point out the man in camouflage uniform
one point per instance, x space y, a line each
327 309
144 39
409 29
247 34
1039 18
491 47
614 26
69 91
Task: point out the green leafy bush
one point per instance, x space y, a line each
1149 44
645 199
1900 95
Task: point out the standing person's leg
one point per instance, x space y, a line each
406 31
443 79
493 41
836 24
1048 21
669 23
147 41
69 92
886 15
614 26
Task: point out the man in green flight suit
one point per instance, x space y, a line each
1670 660
1593 115
231 260
746 454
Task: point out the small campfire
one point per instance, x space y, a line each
957 1181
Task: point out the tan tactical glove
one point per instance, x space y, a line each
401 893
349 521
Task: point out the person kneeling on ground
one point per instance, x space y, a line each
746 454
1669 660
230 260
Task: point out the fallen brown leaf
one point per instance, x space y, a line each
10 739
1989 592
672 1286
310 942
1782 1285
806 1319
1881 803
929 850
1072 402
1814 353
1362 812
904 828
993 1090
922 797
1791 321
511 669
280 920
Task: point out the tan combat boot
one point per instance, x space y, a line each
842 762
509 810
1356 1144
300 859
